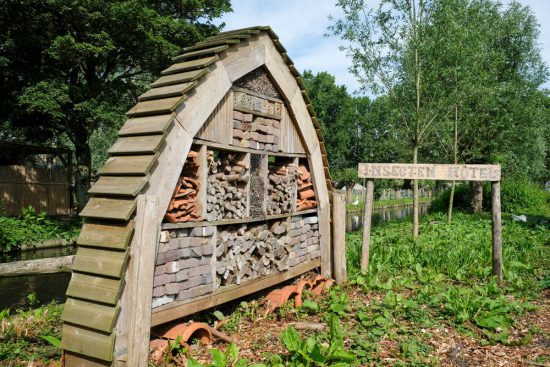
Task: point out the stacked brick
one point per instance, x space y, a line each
247 252
281 189
255 132
306 195
183 268
227 181
304 233
183 206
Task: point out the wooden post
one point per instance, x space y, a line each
367 223
141 283
497 232
339 237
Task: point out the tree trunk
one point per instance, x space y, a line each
415 195
82 173
477 197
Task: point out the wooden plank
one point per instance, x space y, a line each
247 150
98 261
219 125
131 165
367 224
223 41
94 288
105 208
200 52
137 145
339 237
242 59
156 106
497 231
78 360
113 235
89 314
119 185
223 222
187 76
150 125
190 65
140 279
87 342
167 91
445 172
176 310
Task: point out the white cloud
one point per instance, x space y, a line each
301 24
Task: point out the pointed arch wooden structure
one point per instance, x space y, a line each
109 295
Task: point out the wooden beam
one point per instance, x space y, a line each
200 52
246 150
94 288
339 237
137 145
445 172
113 235
149 125
497 231
168 91
99 261
176 310
38 266
186 76
130 165
87 342
156 106
90 314
119 185
140 281
190 65
367 224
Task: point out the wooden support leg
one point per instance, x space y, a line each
339 237
497 232
367 223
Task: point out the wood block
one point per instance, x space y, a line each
119 185
137 145
98 261
168 91
128 165
156 106
94 288
87 342
79 360
91 315
114 236
104 208
187 76
201 52
190 65
148 125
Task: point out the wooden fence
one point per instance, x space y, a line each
46 190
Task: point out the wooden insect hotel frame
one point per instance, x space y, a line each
217 187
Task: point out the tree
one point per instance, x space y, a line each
386 49
72 67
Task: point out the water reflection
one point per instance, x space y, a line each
47 287
354 220
41 253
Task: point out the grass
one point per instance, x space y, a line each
386 203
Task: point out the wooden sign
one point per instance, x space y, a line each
445 172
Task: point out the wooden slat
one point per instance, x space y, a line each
128 165
78 360
88 342
219 125
104 208
118 185
137 145
279 46
167 91
187 76
156 106
98 261
208 44
113 235
91 315
94 288
146 125
190 65
201 52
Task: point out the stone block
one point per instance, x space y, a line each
159 270
237 115
161 259
164 247
237 133
199 270
171 267
172 288
184 232
247 117
182 275
158 291
160 280
172 255
164 236
195 292
311 220
174 244
157 302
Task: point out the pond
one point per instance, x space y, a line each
47 287
354 220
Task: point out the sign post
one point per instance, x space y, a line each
441 172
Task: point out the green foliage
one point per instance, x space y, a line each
30 335
223 359
31 227
524 197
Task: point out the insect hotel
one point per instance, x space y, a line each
217 187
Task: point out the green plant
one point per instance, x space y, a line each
223 359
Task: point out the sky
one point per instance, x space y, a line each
302 24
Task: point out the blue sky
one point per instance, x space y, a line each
301 25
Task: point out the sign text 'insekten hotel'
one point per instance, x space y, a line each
445 172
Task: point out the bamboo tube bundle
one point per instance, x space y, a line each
306 195
184 205
228 177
